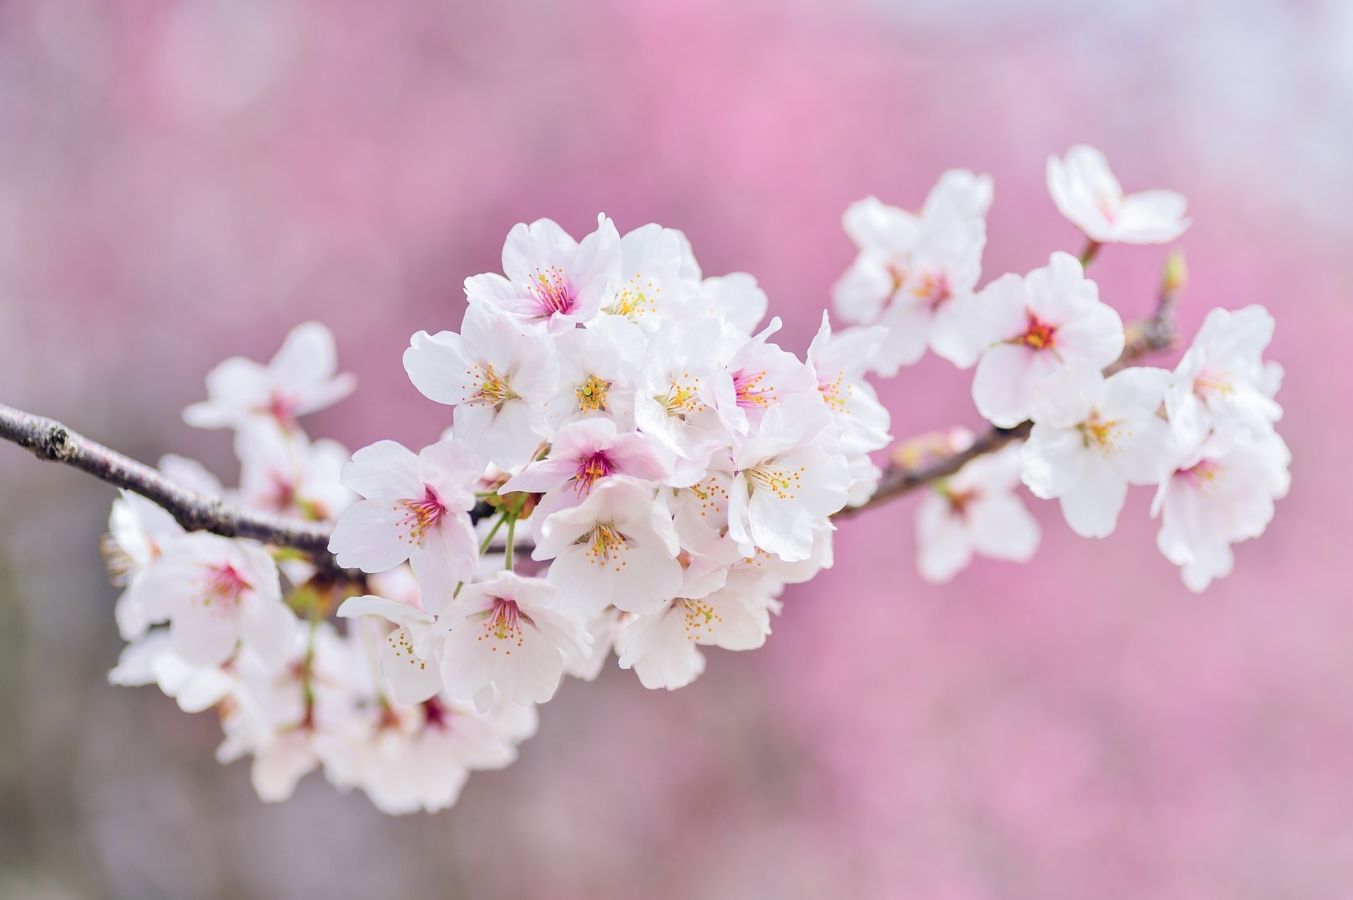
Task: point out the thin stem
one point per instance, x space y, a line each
1090 252
511 540
488 538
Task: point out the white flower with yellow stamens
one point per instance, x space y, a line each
1092 437
505 635
497 378
617 548
785 477
415 509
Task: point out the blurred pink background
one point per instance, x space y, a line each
183 181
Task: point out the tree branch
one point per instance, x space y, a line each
1154 334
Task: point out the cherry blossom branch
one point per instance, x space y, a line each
1154 334
50 440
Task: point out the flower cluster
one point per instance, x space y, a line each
633 467
1045 347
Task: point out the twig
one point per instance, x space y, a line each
1155 334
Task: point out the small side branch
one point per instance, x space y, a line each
1155 334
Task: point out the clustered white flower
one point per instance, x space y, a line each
635 468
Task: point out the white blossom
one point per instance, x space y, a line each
415 509
915 274
504 634
497 378
1036 325
302 378
616 548
786 476
974 511
1220 494
1092 436
553 282
1088 194
216 592
1223 381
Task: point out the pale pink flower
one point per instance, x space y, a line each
415 509
974 511
659 277
553 282
1223 382
617 548
786 476
497 378
1092 437
302 378
1036 325
914 273
1087 193
1221 494
763 375
216 592
598 367
410 657
504 634
283 472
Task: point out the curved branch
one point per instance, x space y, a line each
49 439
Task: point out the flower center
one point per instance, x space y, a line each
281 407
751 389
932 287
552 292
1212 384
959 501
697 615
435 714
420 516
592 394
682 397
606 545
1095 432
710 494
636 299
835 392
1038 335
223 587
592 468
1204 476
492 388
502 622
782 482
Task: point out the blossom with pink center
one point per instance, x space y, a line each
1086 192
415 509
582 455
914 274
283 472
553 282
302 378
763 374
617 548
216 592
840 361
503 635
497 378
1092 437
1223 381
1221 494
975 511
1034 327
